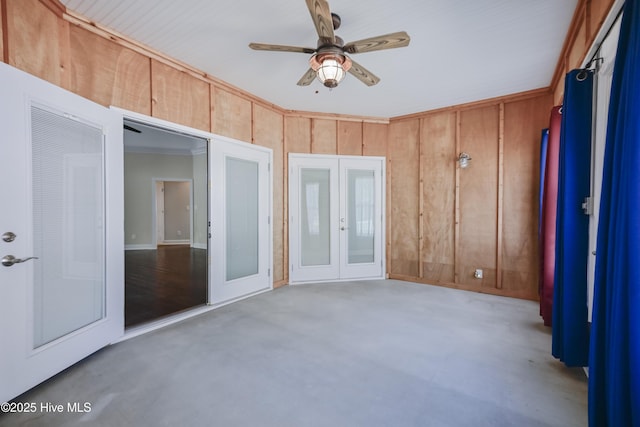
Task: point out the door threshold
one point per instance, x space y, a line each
171 319
341 280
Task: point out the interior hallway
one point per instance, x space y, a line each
367 353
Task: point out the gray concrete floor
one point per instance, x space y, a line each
367 353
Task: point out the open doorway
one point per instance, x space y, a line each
173 212
166 222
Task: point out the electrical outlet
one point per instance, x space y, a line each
133 237
478 273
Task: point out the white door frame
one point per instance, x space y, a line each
213 252
337 271
158 215
154 202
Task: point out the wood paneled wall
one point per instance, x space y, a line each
442 222
178 97
587 20
37 41
404 201
268 131
3 39
446 222
108 73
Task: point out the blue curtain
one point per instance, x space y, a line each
544 142
570 333
614 370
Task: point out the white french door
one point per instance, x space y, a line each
61 277
313 228
241 235
336 228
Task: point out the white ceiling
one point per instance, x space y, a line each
460 51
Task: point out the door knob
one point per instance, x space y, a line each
9 237
9 260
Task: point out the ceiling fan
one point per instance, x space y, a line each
329 61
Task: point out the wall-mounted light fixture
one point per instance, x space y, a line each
463 160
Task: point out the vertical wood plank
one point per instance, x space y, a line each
285 200
109 74
524 121
374 139
404 142
598 11
420 201
28 21
350 138
297 134
500 197
558 93
231 115
3 39
579 48
55 6
478 196
456 234
323 136
178 97
64 47
438 166
268 132
374 143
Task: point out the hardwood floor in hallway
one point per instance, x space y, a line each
163 281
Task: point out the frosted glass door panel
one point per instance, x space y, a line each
241 218
361 206
68 225
314 217
313 206
240 221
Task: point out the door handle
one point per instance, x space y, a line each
9 260
9 237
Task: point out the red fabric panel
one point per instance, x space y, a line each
549 208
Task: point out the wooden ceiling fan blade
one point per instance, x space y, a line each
280 48
388 41
321 15
362 74
308 78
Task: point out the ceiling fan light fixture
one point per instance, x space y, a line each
330 73
330 69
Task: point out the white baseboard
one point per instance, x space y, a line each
138 247
167 243
175 242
